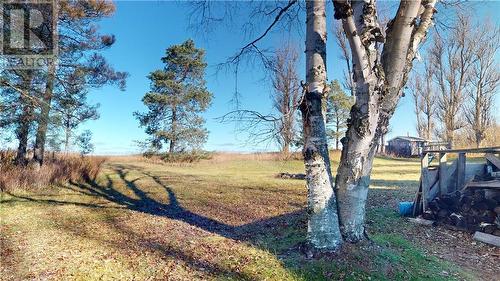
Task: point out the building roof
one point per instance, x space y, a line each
408 138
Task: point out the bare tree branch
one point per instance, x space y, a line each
273 23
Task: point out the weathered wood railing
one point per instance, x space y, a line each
443 178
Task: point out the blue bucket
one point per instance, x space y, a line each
405 208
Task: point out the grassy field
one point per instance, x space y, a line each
227 218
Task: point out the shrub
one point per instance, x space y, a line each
56 170
180 157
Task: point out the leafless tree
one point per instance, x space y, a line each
286 95
424 98
281 125
453 59
345 55
415 83
485 78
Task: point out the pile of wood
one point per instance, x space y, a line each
291 176
471 209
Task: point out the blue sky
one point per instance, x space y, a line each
144 30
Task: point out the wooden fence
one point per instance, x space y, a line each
441 177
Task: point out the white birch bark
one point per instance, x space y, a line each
378 83
323 227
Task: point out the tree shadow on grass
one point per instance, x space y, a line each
137 240
142 202
130 195
279 235
252 232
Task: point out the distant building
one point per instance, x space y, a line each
406 146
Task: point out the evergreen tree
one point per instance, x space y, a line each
18 103
80 46
338 107
178 95
84 142
73 109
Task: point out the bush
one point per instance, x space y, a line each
56 170
180 157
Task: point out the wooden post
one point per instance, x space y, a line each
494 160
424 174
461 171
443 189
487 238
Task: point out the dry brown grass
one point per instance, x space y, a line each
58 169
216 157
231 220
224 157
220 157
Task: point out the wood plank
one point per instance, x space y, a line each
460 171
492 184
432 188
443 189
433 192
487 238
466 185
450 176
424 179
493 149
494 160
418 202
422 221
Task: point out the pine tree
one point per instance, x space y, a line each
178 95
74 110
84 142
80 44
338 107
18 103
79 54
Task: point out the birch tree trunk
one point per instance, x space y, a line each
379 80
323 227
41 133
358 147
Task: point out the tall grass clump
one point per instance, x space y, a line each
56 170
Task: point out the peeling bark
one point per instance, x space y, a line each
323 232
359 145
379 80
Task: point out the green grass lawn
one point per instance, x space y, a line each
217 219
